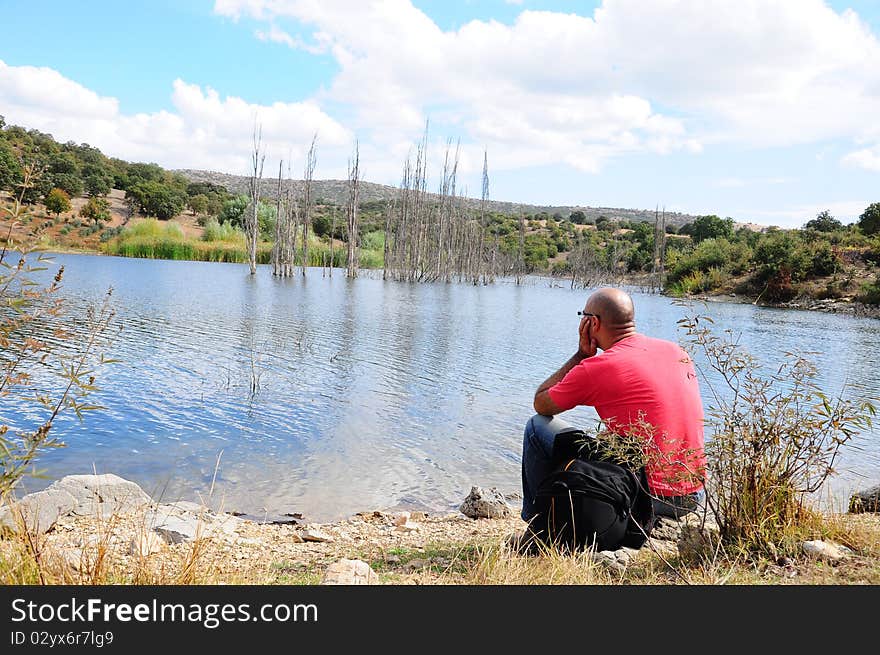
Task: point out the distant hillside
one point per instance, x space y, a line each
335 191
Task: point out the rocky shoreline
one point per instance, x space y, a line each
845 306
89 528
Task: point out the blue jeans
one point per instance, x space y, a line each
537 464
537 457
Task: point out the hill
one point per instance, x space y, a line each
335 191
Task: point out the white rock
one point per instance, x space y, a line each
39 511
485 504
145 544
184 521
349 572
827 550
84 495
313 534
409 526
401 518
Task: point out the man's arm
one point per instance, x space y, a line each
587 346
543 402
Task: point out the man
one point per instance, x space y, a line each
638 385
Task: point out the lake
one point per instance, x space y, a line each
327 396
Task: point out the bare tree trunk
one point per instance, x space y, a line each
279 229
252 221
306 209
521 264
484 198
353 180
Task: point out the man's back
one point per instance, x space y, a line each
641 380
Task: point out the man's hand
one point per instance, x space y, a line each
587 344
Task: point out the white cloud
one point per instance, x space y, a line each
277 35
203 131
635 76
867 158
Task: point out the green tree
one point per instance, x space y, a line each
869 221
139 172
96 209
266 216
57 201
97 180
64 173
10 168
712 227
198 204
824 222
157 199
233 211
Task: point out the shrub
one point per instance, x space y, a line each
823 259
709 254
871 293
774 439
58 201
779 255
215 231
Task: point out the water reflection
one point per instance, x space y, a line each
369 394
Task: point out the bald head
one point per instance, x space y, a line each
614 308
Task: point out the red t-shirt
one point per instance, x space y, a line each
653 379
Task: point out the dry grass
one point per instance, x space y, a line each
446 551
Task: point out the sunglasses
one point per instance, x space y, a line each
585 314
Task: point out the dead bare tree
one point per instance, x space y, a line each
352 210
252 221
306 204
484 198
285 234
521 260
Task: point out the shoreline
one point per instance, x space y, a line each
845 307
123 536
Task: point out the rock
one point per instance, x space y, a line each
349 572
103 495
176 529
865 501
145 544
666 529
699 536
315 535
609 559
39 511
401 518
664 548
83 495
185 521
489 504
826 550
409 526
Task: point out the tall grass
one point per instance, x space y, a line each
221 242
215 231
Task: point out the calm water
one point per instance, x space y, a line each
369 394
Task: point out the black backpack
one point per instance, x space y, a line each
591 501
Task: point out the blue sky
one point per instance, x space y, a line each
763 110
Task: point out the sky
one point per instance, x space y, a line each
761 110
